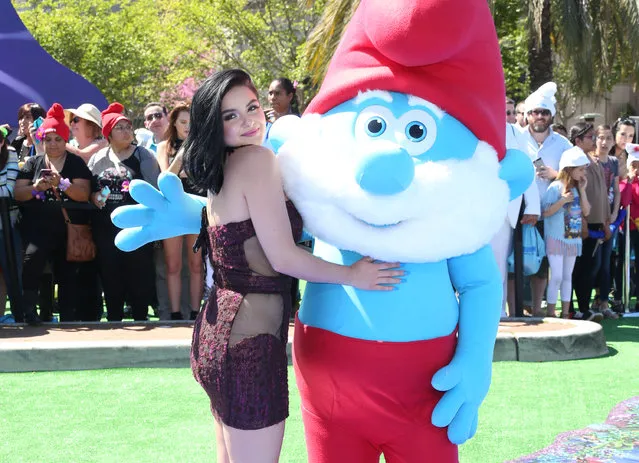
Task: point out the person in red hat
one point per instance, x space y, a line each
123 274
43 225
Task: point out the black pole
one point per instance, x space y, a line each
518 250
14 289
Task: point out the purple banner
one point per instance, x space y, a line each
29 74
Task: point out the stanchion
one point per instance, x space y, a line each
518 251
12 271
626 269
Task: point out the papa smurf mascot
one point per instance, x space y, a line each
401 157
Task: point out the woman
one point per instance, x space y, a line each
623 130
86 128
40 181
281 97
25 144
170 160
124 274
8 175
239 342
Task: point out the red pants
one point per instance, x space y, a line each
364 398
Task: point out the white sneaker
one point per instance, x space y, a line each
609 313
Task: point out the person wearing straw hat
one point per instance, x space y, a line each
86 128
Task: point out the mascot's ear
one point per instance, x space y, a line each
518 171
282 130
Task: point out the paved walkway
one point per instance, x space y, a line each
167 344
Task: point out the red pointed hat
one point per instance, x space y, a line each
444 51
55 122
111 116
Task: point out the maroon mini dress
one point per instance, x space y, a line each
238 353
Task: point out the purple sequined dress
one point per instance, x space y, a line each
238 353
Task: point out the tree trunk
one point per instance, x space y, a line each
540 54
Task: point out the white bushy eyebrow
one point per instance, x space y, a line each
373 94
416 101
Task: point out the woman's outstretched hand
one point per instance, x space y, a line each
376 276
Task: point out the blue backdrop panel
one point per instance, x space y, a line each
29 74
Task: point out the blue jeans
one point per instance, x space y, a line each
604 280
17 248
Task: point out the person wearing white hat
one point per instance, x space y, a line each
86 128
563 205
545 148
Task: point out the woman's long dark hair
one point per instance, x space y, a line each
205 152
615 128
4 151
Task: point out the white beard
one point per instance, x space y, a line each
452 207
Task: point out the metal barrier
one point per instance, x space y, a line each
626 270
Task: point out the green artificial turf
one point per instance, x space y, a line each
162 415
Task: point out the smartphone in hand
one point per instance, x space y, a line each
538 163
45 173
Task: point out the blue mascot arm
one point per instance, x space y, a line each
161 214
518 171
465 381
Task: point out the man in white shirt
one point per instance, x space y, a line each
502 242
545 148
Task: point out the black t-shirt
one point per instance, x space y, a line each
118 179
45 215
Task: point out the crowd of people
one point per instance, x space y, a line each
585 177
86 159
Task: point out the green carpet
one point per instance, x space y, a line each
162 416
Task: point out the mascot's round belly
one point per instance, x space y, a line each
423 307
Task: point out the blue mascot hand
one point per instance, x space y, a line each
159 215
465 382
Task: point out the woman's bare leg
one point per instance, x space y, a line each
173 259
260 446
220 445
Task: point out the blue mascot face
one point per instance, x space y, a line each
395 133
392 176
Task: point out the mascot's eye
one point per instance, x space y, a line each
416 131
375 126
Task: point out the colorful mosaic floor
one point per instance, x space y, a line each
615 441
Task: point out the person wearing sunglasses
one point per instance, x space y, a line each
156 121
86 128
545 148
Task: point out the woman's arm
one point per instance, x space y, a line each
616 201
176 165
162 156
266 204
12 173
555 207
79 190
583 202
87 152
23 190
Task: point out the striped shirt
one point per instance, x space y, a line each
8 177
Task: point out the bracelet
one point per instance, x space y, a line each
64 184
37 194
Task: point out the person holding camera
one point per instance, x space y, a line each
42 179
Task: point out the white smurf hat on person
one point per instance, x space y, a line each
573 157
542 98
633 153
85 111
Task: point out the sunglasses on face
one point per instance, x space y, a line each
541 112
509 112
75 120
157 116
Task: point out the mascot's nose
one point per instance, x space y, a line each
386 173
